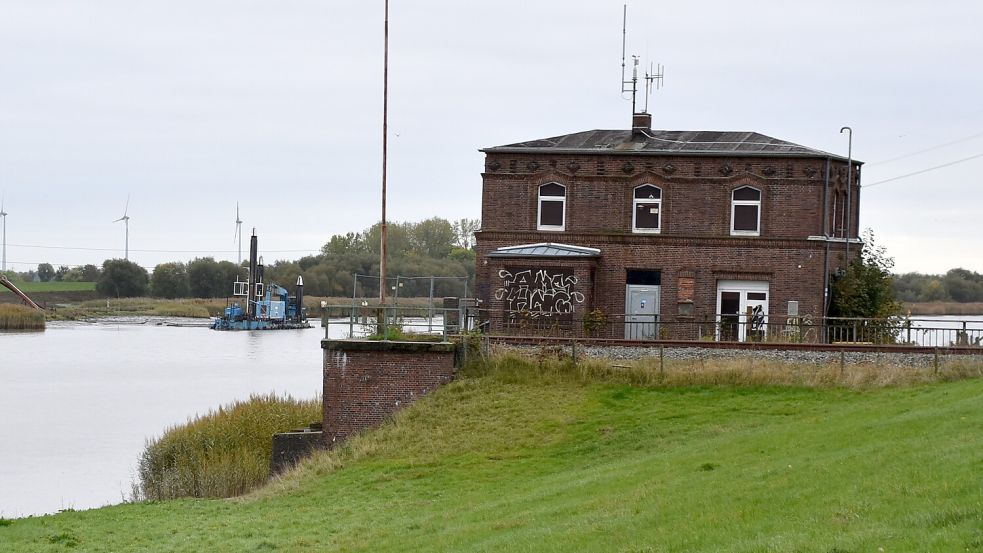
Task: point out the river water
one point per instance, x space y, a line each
78 401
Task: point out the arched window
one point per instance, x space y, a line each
646 209
745 211
552 206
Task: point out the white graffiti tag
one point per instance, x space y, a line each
539 292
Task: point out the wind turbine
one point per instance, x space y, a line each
238 233
126 222
3 216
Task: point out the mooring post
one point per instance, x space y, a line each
662 361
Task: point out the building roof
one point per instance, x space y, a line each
545 249
655 142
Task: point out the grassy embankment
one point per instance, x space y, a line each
18 317
142 307
29 287
544 456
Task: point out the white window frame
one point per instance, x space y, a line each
634 209
733 210
539 207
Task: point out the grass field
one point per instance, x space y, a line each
520 458
29 287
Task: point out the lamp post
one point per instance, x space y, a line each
385 145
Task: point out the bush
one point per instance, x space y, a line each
223 453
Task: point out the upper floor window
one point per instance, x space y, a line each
552 206
647 209
745 211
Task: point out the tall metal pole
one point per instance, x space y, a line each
3 215
849 188
385 145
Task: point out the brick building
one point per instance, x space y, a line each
680 234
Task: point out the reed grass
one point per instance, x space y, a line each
944 308
19 317
223 453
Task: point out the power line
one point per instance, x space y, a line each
929 149
951 163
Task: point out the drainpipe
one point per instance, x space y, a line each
826 235
849 188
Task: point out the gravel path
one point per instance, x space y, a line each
788 356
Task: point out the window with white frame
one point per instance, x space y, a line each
745 211
647 209
552 206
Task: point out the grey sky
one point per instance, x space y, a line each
192 106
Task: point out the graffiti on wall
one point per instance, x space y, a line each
540 292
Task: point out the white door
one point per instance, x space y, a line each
641 312
742 310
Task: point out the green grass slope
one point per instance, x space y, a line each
516 461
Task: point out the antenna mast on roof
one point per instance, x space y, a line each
653 77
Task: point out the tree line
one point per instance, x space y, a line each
433 247
957 285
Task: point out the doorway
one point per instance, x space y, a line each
642 297
742 310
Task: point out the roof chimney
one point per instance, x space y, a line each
641 123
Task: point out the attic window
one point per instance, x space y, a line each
647 209
745 211
552 206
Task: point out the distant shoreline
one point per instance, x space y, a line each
944 308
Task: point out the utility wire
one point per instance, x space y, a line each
951 163
929 149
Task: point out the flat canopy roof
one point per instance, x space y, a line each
654 142
545 249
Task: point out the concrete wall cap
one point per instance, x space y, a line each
383 345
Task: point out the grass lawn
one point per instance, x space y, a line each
29 287
517 461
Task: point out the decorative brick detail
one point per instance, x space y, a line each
366 381
687 286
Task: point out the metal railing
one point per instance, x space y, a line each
396 323
393 322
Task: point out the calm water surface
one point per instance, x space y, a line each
78 401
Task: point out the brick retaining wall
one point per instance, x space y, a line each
365 381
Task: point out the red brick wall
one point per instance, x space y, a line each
695 192
367 381
694 241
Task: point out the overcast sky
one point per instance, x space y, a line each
191 106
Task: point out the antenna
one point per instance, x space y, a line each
238 233
126 222
653 77
3 215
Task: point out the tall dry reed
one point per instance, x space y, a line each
19 317
223 453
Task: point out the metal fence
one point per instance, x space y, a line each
391 321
